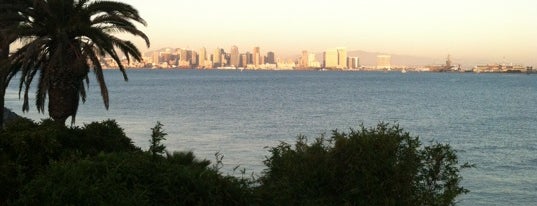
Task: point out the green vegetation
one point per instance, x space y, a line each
369 166
50 164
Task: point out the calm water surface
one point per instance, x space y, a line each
489 118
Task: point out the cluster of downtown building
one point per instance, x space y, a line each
335 58
331 59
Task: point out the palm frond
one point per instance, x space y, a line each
99 76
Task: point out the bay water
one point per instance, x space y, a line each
490 119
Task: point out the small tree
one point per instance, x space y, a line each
157 135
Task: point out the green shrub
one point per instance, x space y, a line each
97 137
135 179
46 164
375 166
119 174
27 148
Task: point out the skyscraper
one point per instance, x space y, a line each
156 58
304 60
342 58
194 58
335 58
202 57
312 62
353 62
244 60
234 58
257 57
270 58
331 58
217 57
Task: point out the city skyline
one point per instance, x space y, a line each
490 30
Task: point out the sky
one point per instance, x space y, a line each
492 30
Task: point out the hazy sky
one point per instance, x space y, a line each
493 30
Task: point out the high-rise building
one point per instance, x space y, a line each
244 60
335 58
202 57
384 61
165 56
156 58
331 58
217 57
234 57
312 62
304 60
225 59
194 58
342 57
270 58
186 55
247 58
185 58
353 62
257 57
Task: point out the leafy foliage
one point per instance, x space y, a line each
46 163
134 179
27 148
369 166
157 136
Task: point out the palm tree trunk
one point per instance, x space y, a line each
4 71
63 99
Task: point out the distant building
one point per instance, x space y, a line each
330 58
335 58
248 59
304 60
165 56
185 58
270 58
217 57
156 58
234 57
312 62
257 56
286 64
202 57
353 62
244 60
384 62
194 58
342 58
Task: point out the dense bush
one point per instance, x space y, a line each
27 148
370 166
47 164
135 179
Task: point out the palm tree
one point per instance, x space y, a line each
10 11
65 39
